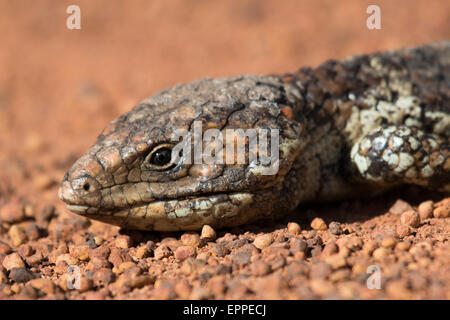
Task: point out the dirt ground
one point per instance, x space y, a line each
60 87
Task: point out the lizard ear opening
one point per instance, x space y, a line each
160 157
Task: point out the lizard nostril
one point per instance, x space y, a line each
86 186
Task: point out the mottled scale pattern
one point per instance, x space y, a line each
347 128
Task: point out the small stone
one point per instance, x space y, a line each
184 252
318 224
335 228
191 239
103 277
208 233
98 240
183 289
44 285
33 232
67 258
86 284
410 218
46 213
118 256
13 260
20 275
4 248
242 258
143 252
297 245
380 253
191 265
199 293
329 249
403 230
441 212
123 242
12 212
221 250
320 270
80 252
403 246
259 268
399 207
3 278
369 247
263 241
162 252
124 266
17 235
425 210
96 263
336 261
388 242
398 289
294 228
35 259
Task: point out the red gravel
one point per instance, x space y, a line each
59 88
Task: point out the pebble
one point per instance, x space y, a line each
441 212
191 239
12 212
13 260
242 258
260 268
4 248
294 228
425 210
184 252
33 232
263 241
335 228
329 249
410 218
118 256
403 246
143 252
3 278
403 230
221 250
380 253
388 242
297 245
17 235
208 233
44 285
80 252
369 247
123 242
399 207
20 275
336 261
103 277
318 224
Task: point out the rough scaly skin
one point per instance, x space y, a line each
346 128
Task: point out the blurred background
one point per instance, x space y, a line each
60 87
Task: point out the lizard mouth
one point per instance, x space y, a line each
170 214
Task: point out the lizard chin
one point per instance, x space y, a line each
191 213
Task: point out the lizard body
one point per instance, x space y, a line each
345 128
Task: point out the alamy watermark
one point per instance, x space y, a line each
374 20
374 280
233 146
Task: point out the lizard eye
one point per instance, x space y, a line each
160 157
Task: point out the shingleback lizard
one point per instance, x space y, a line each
346 128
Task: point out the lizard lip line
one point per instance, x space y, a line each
83 209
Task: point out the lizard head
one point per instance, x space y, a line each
147 169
